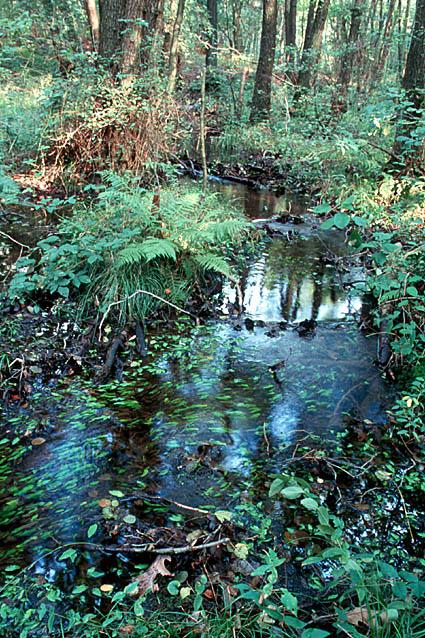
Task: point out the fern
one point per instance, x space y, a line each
147 251
209 261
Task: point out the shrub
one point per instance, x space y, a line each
128 240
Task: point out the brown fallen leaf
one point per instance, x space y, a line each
104 502
358 616
38 441
147 579
126 630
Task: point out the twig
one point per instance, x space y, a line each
142 292
15 241
266 439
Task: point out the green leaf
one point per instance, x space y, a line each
116 493
69 553
310 504
341 220
173 587
223 515
292 491
323 208
276 487
92 530
314 633
130 519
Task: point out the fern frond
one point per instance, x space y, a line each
147 250
209 261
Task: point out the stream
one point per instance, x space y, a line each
214 410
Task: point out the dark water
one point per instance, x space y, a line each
214 409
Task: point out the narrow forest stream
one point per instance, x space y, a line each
213 408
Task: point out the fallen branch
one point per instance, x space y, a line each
149 548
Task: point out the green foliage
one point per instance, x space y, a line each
125 242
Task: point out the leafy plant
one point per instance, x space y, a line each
127 250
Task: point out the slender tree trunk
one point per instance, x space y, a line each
405 34
174 47
348 57
261 100
168 28
237 25
93 18
408 145
385 43
309 26
212 57
311 54
291 28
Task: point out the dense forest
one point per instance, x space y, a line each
212 326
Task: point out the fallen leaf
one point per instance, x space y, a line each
208 593
126 630
358 616
38 441
104 502
146 580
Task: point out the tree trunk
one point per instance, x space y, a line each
124 25
237 25
408 146
111 13
291 28
261 100
385 43
132 36
212 58
309 26
93 18
174 47
311 53
348 57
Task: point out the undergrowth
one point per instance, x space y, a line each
132 249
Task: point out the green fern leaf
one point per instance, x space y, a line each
209 261
147 250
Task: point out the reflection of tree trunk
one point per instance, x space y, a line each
297 303
289 297
318 290
261 100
